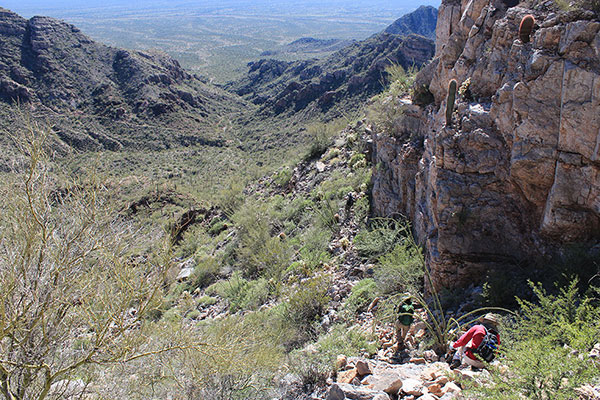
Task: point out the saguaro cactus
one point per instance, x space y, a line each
525 28
450 100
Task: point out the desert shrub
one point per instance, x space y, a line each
545 349
283 177
258 253
206 272
325 211
230 198
400 79
400 270
73 296
380 238
241 293
361 296
349 341
206 301
320 137
362 208
357 160
385 110
314 249
217 226
314 367
239 358
305 305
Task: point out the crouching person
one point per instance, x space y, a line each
478 345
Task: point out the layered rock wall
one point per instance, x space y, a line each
517 174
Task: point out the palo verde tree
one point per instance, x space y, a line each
72 295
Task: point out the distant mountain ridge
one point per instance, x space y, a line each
422 22
51 65
348 76
309 45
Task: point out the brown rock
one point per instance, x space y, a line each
341 362
418 360
347 376
442 380
434 388
386 381
363 368
451 387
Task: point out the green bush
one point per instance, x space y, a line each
380 238
259 254
205 273
305 306
385 110
241 293
361 296
321 136
357 161
545 350
217 226
400 270
283 177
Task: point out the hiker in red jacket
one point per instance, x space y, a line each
478 344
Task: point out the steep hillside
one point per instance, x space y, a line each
514 176
344 79
59 72
352 74
422 22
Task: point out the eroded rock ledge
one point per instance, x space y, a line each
517 174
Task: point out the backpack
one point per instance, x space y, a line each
488 347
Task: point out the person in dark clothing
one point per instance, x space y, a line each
405 312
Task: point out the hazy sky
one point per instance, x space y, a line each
66 7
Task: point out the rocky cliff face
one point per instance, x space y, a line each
516 175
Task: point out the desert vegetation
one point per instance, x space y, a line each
245 260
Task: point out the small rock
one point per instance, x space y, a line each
418 360
335 393
412 386
595 352
434 388
355 393
373 305
347 376
420 334
451 387
428 396
363 368
385 381
430 356
442 380
185 274
341 362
